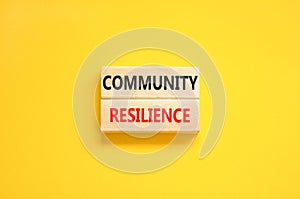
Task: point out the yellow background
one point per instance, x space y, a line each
255 45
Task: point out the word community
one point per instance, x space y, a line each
140 82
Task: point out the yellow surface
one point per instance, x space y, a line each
255 45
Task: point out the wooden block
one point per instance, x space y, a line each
155 115
150 82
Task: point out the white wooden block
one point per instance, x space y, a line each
155 115
150 82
